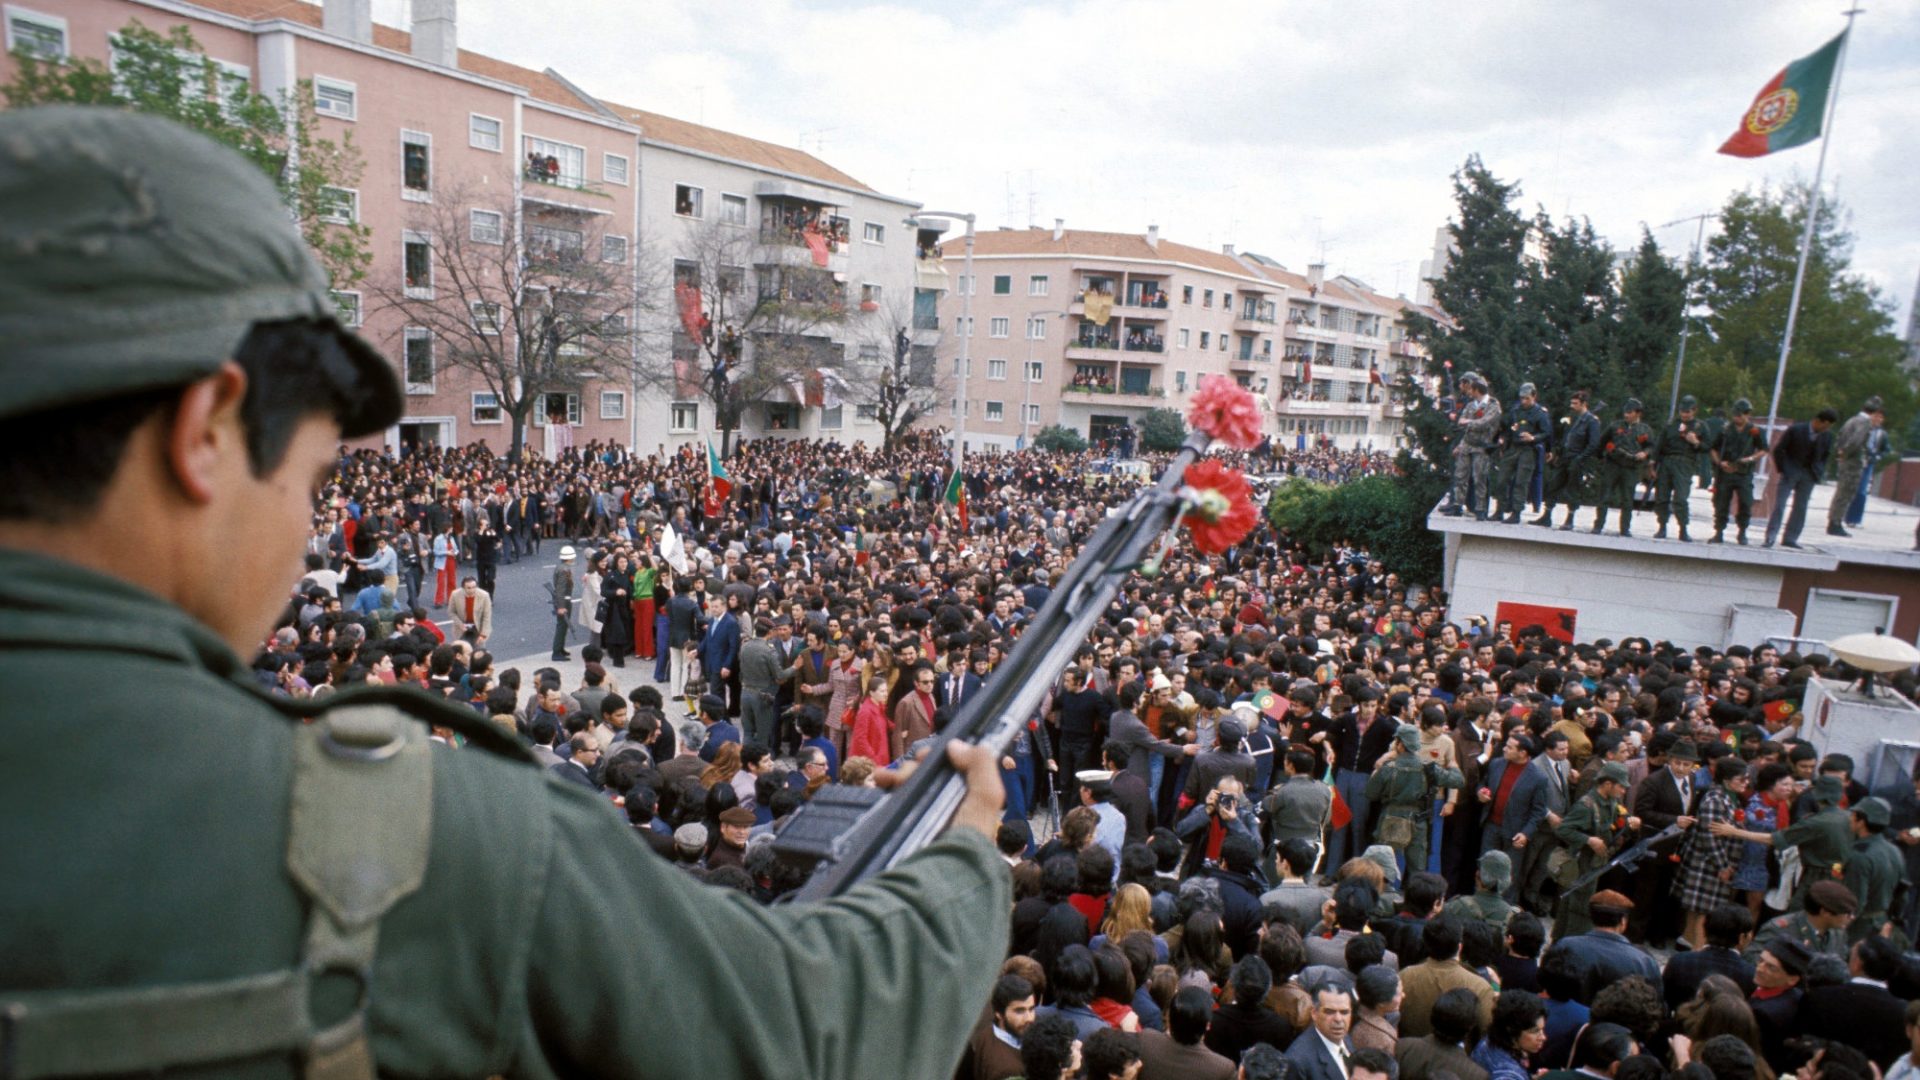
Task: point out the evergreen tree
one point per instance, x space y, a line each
1568 315
1163 430
1653 293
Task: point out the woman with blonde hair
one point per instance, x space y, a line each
726 762
1132 909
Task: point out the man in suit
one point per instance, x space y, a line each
560 592
579 768
1229 757
913 716
1603 955
1125 727
1179 1054
1323 1050
1728 928
1128 793
473 608
1515 800
759 679
1801 456
1422 984
1455 1018
957 685
1460 830
1554 768
1862 1012
719 730
683 638
1664 798
720 646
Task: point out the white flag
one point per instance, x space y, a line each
672 550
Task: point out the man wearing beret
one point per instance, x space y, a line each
1775 1000
1873 868
1819 926
1681 446
352 900
1590 834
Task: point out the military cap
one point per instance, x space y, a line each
1383 856
1632 405
713 703
1684 750
1496 870
1409 737
1099 781
1827 789
1472 378
1742 405
1688 403
1875 810
736 815
1527 390
1873 405
1232 731
1793 956
1833 896
1613 772
137 255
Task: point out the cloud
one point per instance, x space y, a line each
1286 129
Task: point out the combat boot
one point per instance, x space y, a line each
1742 538
1600 522
1719 535
1684 538
1545 518
1513 518
1661 532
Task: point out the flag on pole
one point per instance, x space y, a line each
1791 108
672 549
957 498
719 484
1339 814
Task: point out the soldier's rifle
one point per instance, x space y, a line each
1628 860
847 834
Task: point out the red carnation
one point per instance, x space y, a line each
1223 512
1225 411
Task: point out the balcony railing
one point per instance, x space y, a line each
1152 345
1154 301
1086 342
1108 389
926 322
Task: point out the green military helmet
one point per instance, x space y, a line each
1613 772
1689 403
1409 738
136 255
1526 390
1742 407
1875 810
1496 870
1827 790
1472 378
1632 406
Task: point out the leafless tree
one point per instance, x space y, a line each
892 378
532 300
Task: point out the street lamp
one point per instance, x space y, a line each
966 330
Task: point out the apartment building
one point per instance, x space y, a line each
455 143
1092 330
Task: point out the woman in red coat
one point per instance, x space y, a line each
874 737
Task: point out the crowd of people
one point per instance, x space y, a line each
1282 814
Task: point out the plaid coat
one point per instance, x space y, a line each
1703 857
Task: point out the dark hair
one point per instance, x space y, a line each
1108 1052
1376 984
1634 1003
1641 1067
1727 924
1262 1062
1456 1016
1601 1045
1072 976
1093 868
1008 989
1046 1048
1423 891
1528 934
1481 944
1363 951
1879 957
1239 852
1514 1013
1374 1061
1728 1057
1441 938
1167 849
1189 1015
1283 950
1353 903
1059 877
1112 973
1298 854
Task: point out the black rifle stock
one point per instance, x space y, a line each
846 835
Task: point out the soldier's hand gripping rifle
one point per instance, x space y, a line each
846 834
1628 859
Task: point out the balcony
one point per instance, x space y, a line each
1092 346
1407 347
930 271
1310 330
1256 322
1144 343
1239 358
1110 394
926 322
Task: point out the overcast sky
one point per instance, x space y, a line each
1283 128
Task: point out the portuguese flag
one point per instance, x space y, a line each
719 484
957 498
1791 108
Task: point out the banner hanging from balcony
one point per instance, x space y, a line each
693 315
816 243
686 377
1099 307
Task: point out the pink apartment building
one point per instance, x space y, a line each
502 151
1092 330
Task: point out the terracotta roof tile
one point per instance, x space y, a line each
1085 243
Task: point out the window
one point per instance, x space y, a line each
483 132
332 97
1205 338
1036 370
1180 381
613 249
1037 328
996 410
1033 414
613 168
832 419
44 36
687 200
1223 341
869 297
685 416
1836 613
486 407
613 404
348 304
999 328
1186 337
1206 300
550 162
964 286
418 347
339 206
1002 284
996 369
1186 294
866 412
1226 300
556 405
416 165
486 317
416 263
1037 285
873 232
733 209
486 226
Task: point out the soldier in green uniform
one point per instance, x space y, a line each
1873 868
1740 445
1681 446
1523 447
1820 926
1403 787
252 885
1823 839
1623 457
1487 904
1590 835
1479 422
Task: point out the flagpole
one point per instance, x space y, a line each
1806 236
